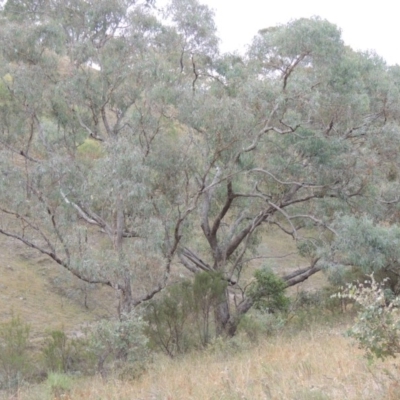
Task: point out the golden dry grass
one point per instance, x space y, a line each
318 364
26 290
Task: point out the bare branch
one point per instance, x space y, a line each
190 266
58 260
20 152
302 184
31 225
264 130
282 228
195 259
196 75
237 239
369 119
229 199
294 232
395 201
247 260
291 68
53 222
205 226
83 125
302 275
319 222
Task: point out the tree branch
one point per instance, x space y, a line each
20 152
229 199
208 192
58 260
302 275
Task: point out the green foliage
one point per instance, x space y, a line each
121 342
377 326
15 361
320 301
208 292
62 354
167 319
56 352
364 243
59 384
258 325
90 149
182 318
268 291
315 38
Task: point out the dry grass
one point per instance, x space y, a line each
315 365
26 290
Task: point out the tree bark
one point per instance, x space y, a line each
222 316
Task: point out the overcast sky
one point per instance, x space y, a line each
365 25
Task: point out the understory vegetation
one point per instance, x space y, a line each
303 353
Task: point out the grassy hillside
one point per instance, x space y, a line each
318 363
43 295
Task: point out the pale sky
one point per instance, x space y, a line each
365 25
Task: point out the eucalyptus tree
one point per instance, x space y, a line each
119 124
86 75
294 135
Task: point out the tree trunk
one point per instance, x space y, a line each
125 298
222 316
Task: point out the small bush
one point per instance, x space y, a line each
168 319
15 362
90 149
208 291
182 318
63 354
268 291
377 326
116 344
321 300
56 352
58 384
259 325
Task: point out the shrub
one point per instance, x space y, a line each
58 384
15 363
168 317
181 318
268 291
120 343
56 352
90 149
377 326
63 354
208 290
258 325
320 300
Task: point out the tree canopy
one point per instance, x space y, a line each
130 144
